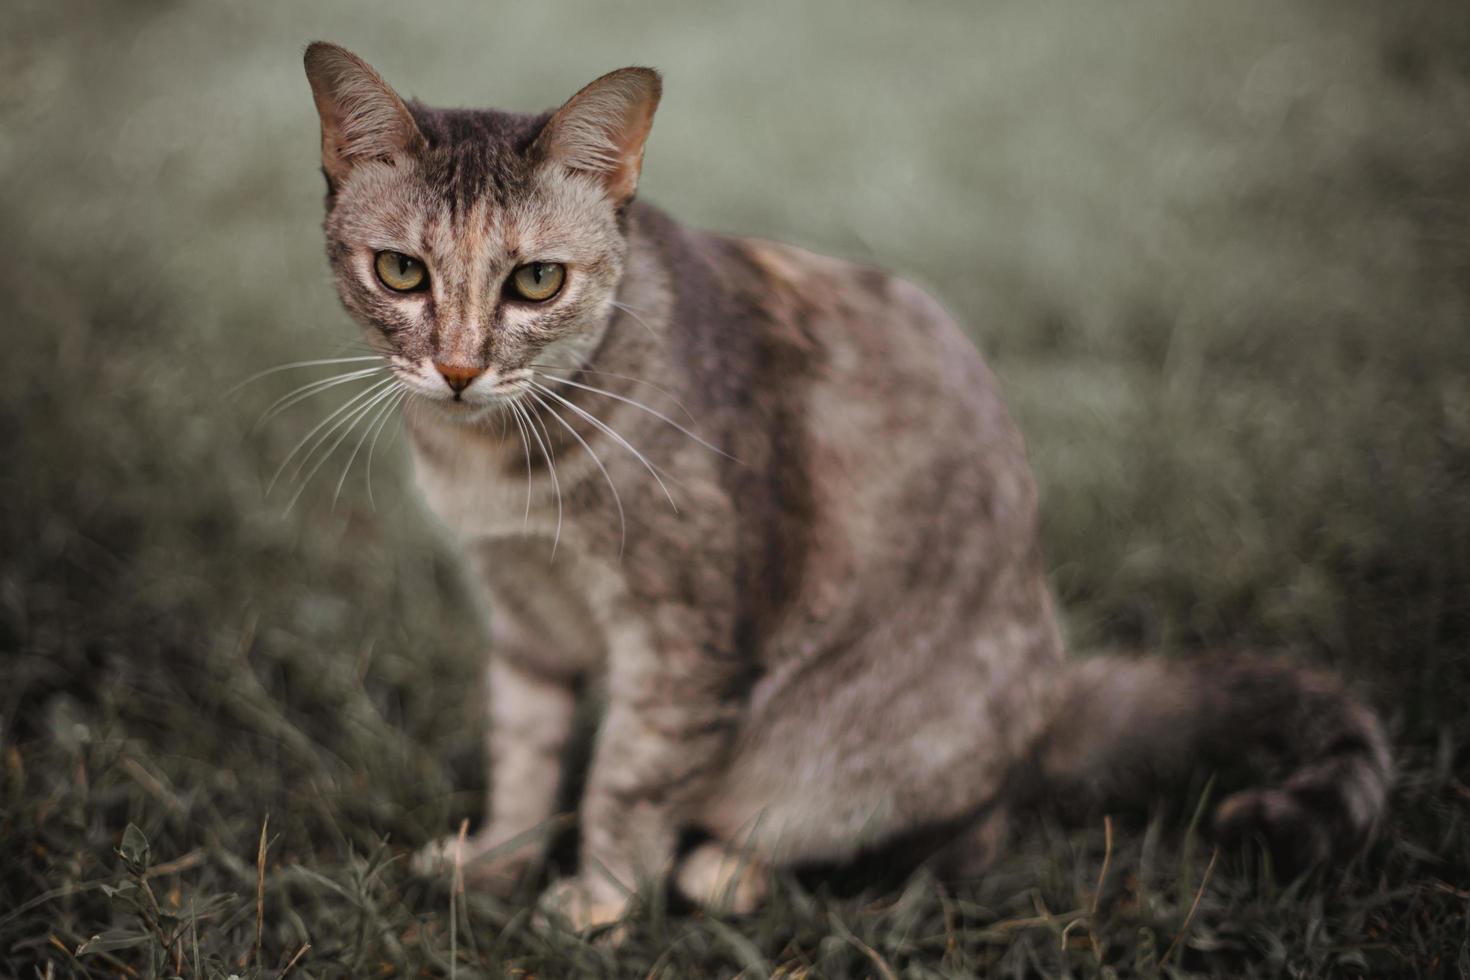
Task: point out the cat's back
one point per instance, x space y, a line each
841 326
902 399
862 398
886 363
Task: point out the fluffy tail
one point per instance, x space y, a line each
1317 761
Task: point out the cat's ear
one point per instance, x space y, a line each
362 117
601 130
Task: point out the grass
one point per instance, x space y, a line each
1218 254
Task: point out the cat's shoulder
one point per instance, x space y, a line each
863 297
840 286
779 267
813 299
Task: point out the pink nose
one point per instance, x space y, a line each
458 376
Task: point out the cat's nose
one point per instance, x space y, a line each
458 376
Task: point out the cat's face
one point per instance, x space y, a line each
464 289
477 246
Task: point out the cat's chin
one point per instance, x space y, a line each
463 412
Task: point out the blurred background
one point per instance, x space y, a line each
1217 253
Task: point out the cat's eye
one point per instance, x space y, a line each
537 281
401 273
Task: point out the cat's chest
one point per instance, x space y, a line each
472 486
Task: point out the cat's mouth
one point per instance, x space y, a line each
480 401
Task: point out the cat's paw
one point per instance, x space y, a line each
722 881
583 904
483 862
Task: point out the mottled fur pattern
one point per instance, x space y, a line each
774 501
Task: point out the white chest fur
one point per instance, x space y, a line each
472 492
485 483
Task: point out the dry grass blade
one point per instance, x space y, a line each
260 889
191 860
1193 908
294 960
1102 877
839 927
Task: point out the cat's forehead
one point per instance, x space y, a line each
475 157
475 187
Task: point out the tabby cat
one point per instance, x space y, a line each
773 502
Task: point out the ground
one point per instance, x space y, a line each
1218 254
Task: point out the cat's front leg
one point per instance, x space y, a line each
530 722
674 705
542 645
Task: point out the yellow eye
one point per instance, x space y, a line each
538 281
401 273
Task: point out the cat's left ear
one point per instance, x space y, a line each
601 130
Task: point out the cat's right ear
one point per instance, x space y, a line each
362 117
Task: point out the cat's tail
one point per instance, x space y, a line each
1316 760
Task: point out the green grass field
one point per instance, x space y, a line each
1218 254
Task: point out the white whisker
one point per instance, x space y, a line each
555 483
634 314
517 413
622 377
352 406
372 446
653 470
346 426
385 402
355 399
617 498
295 365
642 407
307 391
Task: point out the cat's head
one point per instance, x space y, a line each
470 244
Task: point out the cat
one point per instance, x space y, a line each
774 502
